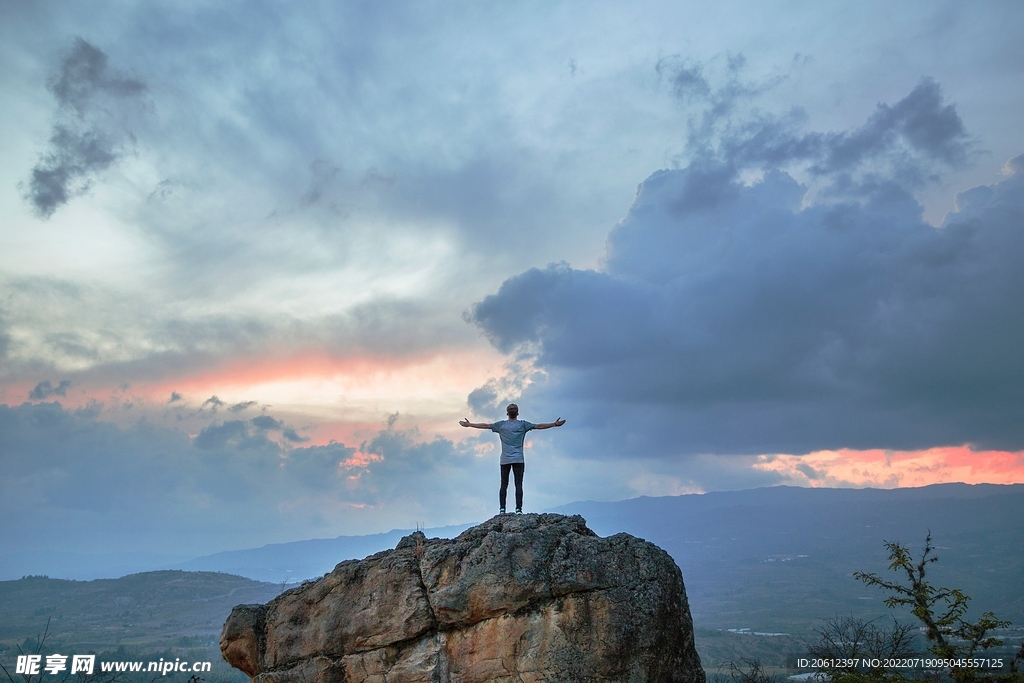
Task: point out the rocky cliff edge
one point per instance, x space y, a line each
518 598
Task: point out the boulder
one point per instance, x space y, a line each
519 598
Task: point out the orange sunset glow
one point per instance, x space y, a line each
896 469
317 379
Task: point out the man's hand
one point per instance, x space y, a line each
559 422
464 422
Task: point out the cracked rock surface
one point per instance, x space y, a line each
519 598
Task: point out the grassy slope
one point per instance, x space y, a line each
151 609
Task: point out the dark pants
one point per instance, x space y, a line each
517 469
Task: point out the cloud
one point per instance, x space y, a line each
91 132
213 402
267 422
905 140
717 89
293 436
5 339
686 77
175 397
921 120
429 472
45 390
85 74
72 481
234 433
497 393
757 317
88 331
90 410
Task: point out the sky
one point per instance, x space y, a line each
258 259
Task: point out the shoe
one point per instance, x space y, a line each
519 511
501 511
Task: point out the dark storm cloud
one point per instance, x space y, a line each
45 390
90 133
911 135
921 119
736 318
904 140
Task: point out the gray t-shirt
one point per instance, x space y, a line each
512 434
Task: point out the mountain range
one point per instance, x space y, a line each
769 560
774 559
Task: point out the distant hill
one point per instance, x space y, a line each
300 560
149 609
775 559
780 559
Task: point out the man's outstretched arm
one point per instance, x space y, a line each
548 425
476 425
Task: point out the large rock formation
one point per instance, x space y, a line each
517 599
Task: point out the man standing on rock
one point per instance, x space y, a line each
512 433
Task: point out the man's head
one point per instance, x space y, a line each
512 410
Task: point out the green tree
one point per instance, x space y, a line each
941 610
